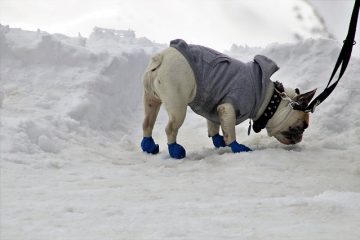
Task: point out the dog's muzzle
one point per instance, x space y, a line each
294 134
290 127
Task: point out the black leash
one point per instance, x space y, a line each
342 60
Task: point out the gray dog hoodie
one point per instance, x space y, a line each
222 79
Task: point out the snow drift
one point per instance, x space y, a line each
71 84
71 113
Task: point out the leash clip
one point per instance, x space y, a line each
315 105
312 110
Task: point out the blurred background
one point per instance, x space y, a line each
215 23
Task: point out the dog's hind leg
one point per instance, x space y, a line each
177 113
151 106
175 85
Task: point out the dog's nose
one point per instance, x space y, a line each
293 135
305 125
296 138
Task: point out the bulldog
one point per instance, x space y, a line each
225 91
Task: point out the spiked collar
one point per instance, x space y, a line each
271 108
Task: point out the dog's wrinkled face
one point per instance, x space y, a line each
287 124
294 132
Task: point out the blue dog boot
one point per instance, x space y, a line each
176 151
218 141
148 145
236 147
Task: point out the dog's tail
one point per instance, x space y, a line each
151 72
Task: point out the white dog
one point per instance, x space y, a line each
223 90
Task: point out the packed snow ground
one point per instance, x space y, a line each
71 166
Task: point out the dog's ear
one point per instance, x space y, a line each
304 99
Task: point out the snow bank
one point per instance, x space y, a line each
69 82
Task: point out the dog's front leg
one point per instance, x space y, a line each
227 118
213 128
213 132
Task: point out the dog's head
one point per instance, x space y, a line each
288 125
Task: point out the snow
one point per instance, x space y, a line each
71 165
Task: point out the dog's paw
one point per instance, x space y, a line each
218 141
176 151
236 147
148 145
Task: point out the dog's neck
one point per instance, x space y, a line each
268 95
269 106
